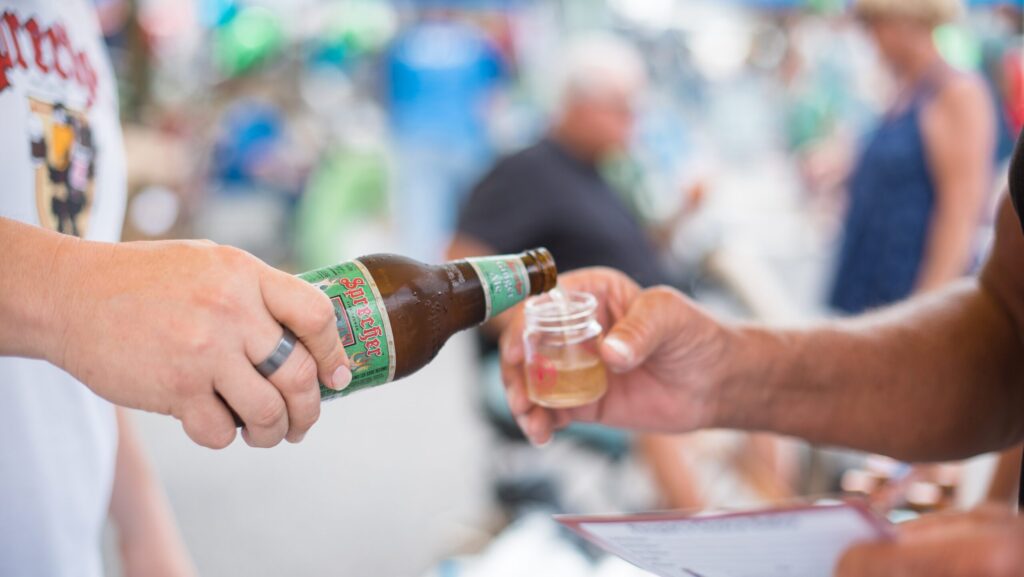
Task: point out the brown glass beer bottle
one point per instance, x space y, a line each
394 314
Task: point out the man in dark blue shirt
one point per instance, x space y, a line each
552 193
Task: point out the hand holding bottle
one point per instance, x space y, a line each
177 327
664 356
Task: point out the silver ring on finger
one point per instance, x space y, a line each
281 353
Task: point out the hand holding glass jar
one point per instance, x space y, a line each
662 356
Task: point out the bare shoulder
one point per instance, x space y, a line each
962 92
960 116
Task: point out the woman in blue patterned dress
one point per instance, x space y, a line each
919 186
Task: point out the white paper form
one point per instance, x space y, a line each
804 541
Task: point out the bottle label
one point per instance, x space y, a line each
363 324
505 280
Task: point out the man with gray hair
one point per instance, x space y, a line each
552 193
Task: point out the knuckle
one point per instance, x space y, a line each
230 253
321 306
319 315
198 342
233 258
667 308
305 416
304 375
206 435
218 299
322 314
316 317
269 414
662 296
260 442
220 438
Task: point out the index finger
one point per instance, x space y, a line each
309 314
511 341
512 358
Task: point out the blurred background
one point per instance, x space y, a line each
309 132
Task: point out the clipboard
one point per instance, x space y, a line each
801 540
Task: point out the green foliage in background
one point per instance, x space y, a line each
348 187
247 40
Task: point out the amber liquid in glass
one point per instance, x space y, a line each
561 383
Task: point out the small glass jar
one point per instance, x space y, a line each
563 365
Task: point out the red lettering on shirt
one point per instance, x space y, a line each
61 50
14 26
67 62
37 43
5 62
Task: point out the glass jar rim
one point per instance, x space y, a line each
545 313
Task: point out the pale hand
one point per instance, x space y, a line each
664 355
176 327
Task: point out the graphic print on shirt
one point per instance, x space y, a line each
61 86
65 166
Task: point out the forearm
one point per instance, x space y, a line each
948 249
31 288
934 379
149 540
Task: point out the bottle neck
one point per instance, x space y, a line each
507 280
540 266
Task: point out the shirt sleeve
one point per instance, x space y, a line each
505 212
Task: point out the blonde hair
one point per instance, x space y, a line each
931 12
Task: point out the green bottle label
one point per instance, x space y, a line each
363 324
505 280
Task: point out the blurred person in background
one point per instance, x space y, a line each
86 323
918 188
441 74
553 194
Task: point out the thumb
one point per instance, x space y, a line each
649 322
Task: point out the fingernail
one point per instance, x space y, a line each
341 379
524 424
620 348
512 396
544 444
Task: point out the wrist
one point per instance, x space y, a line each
72 261
754 363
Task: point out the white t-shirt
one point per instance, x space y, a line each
62 168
